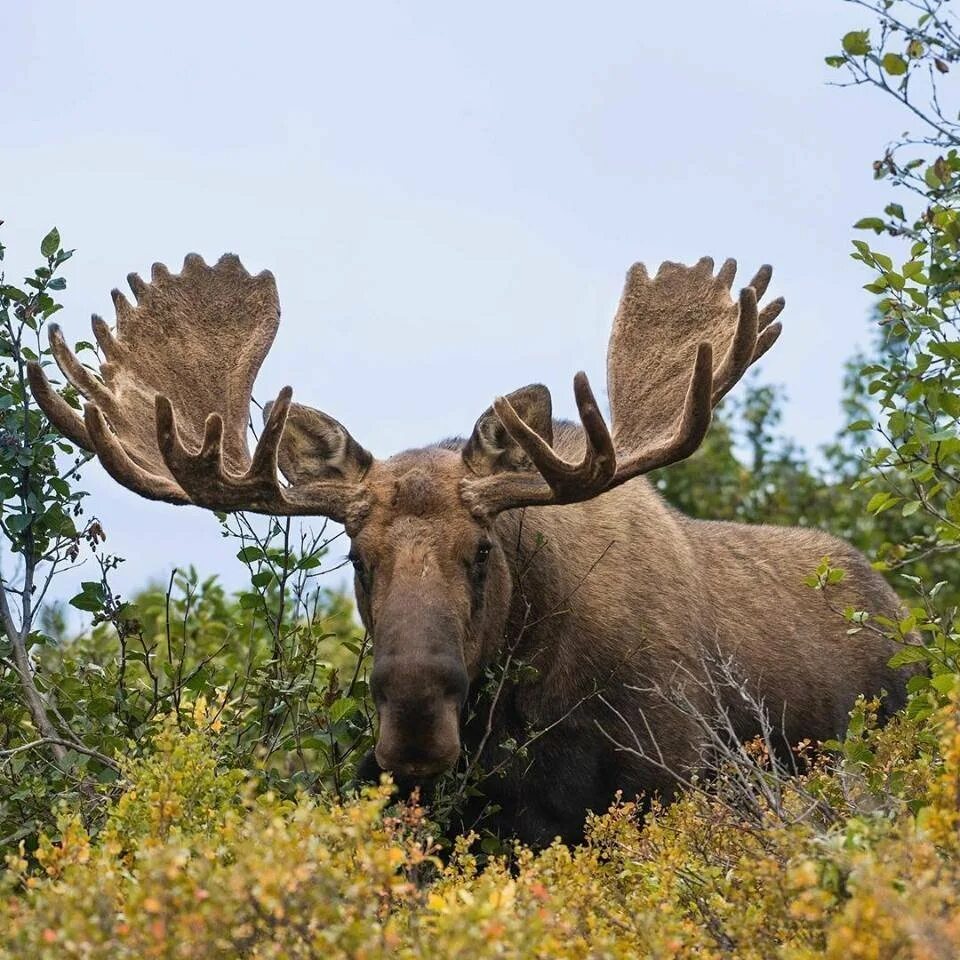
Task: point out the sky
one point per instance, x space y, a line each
448 194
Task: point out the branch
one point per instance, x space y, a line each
64 746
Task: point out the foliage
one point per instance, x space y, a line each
43 531
914 468
857 860
747 472
283 655
289 695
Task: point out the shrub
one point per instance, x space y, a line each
195 861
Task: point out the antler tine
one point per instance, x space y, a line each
768 337
568 481
743 347
79 376
60 413
264 463
121 467
600 454
107 342
761 279
204 476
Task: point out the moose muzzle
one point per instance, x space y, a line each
419 701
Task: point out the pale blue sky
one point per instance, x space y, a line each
449 195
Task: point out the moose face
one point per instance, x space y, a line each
433 589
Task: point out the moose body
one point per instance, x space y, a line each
531 542
611 601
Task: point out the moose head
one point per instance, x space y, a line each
168 417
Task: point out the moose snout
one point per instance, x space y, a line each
419 706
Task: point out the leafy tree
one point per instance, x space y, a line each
914 465
280 663
747 471
43 531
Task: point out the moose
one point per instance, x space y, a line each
533 540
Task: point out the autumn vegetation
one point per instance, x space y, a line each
180 779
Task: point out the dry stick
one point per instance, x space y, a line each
181 660
560 607
753 783
64 746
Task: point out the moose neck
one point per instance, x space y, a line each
581 565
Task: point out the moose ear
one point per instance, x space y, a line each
314 446
491 449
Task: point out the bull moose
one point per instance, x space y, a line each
533 539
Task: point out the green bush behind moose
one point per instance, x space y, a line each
168 791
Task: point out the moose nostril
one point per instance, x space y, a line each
456 686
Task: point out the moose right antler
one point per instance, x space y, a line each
660 360
169 415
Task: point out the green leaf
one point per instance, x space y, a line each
870 223
881 501
944 682
90 599
19 522
907 654
343 708
13 293
949 349
894 64
931 179
857 43
50 243
858 752
912 269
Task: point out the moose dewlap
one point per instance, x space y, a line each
534 541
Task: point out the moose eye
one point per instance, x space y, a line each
360 567
483 552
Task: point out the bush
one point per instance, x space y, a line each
194 861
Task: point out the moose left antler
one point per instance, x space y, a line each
168 415
660 359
